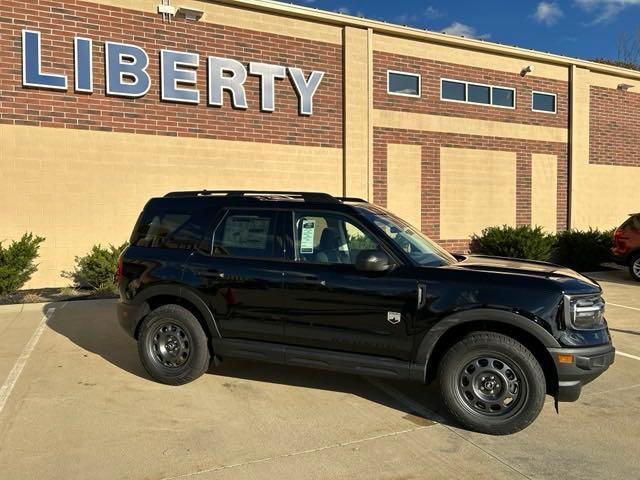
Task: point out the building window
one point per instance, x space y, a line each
405 84
457 91
544 102
504 97
479 94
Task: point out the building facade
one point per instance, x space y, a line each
105 103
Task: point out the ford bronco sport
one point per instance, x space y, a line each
311 280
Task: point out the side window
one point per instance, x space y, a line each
329 238
167 230
244 233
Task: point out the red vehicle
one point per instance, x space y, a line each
626 245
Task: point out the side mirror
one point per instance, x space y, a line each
373 261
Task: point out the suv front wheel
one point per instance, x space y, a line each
492 383
173 346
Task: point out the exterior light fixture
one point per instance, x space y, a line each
623 87
189 13
525 70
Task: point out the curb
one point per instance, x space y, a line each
33 307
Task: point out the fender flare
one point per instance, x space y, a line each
433 336
185 294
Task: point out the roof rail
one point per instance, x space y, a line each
307 196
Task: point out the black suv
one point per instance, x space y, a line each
312 280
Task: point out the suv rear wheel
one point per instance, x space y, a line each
173 346
492 383
634 267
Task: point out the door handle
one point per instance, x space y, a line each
314 281
422 295
213 274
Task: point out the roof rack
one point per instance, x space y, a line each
306 196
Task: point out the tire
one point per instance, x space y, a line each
172 345
492 384
634 267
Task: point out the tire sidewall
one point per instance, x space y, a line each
635 259
198 359
529 369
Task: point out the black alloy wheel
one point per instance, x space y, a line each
173 346
491 383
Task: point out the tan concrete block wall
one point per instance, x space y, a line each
404 182
79 188
477 190
356 111
544 188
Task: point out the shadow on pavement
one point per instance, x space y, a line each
621 277
93 326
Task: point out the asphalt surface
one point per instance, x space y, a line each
75 403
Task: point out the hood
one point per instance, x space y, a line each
524 267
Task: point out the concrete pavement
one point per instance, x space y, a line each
83 407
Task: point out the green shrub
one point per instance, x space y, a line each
97 269
583 250
17 262
525 242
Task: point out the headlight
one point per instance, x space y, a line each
584 312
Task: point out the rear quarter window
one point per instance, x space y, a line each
162 229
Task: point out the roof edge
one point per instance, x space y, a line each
339 19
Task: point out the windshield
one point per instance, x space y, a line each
420 248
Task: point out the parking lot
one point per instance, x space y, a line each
76 403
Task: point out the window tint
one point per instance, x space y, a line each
404 84
167 230
454 90
544 102
479 94
503 97
330 238
250 234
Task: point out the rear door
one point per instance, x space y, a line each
240 274
332 305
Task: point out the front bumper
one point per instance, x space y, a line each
588 363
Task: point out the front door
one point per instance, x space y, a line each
241 276
330 304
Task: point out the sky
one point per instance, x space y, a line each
577 28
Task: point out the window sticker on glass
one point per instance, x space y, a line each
246 232
307 239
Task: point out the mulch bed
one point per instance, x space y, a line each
46 295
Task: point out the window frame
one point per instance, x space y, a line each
278 256
477 84
291 228
555 102
409 95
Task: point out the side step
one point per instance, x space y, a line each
352 363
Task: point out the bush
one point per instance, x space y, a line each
97 269
17 263
516 242
583 250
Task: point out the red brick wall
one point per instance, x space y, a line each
431 143
60 21
614 127
433 71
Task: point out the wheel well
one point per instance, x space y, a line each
160 300
456 333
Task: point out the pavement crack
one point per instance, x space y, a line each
299 452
